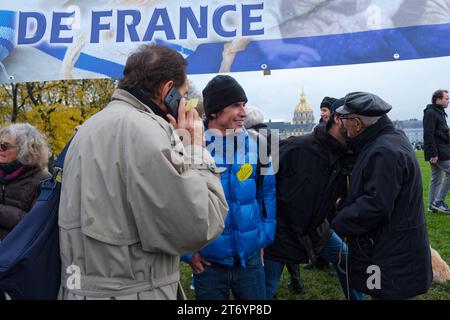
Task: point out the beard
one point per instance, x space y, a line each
343 132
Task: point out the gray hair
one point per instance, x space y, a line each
32 144
254 117
368 121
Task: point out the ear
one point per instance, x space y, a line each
336 118
164 89
359 125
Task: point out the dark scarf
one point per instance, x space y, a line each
10 171
138 94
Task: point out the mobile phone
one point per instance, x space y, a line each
172 101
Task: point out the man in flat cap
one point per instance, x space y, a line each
383 215
309 181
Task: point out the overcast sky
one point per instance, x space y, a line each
407 85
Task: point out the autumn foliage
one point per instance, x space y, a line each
54 107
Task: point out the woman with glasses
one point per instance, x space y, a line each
23 163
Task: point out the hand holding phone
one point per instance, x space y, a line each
186 120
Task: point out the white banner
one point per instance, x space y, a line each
53 39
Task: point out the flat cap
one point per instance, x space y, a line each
364 104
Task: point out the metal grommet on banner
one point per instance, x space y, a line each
266 70
8 76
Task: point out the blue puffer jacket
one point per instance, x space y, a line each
246 229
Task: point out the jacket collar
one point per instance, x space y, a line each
229 143
137 99
211 134
383 126
438 108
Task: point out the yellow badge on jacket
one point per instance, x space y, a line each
245 172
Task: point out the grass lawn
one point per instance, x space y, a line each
322 285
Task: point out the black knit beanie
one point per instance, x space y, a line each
327 103
220 92
336 105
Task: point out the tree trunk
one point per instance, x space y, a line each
15 106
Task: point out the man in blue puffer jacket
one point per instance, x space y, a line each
233 262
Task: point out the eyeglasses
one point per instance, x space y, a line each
347 118
5 146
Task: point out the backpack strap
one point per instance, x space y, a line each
259 166
259 186
47 187
59 163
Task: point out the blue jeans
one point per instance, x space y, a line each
216 281
439 184
274 270
330 252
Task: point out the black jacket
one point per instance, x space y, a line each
435 133
309 181
383 216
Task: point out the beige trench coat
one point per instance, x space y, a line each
132 203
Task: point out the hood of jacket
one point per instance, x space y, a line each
435 107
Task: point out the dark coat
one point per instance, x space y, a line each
266 133
309 181
435 133
18 196
383 216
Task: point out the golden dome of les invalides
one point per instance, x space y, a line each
303 113
302 123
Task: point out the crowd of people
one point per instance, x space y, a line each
145 184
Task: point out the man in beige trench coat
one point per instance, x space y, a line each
134 195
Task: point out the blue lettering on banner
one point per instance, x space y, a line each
97 26
153 26
57 27
121 15
217 21
200 28
40 25
32 26
247 19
